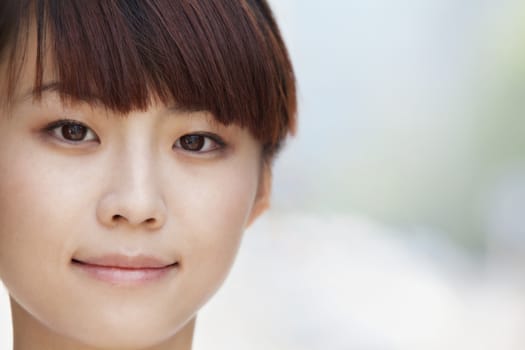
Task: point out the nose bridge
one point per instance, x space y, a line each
133 195
136 173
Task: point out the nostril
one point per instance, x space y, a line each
117 217
135 219
135 209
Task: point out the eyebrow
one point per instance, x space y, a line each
54 87
46 87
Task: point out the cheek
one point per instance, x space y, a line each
213 219
36 226
21 215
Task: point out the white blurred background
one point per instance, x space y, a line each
396 219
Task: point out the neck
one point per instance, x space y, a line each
30 334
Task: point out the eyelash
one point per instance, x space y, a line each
55 130
217 143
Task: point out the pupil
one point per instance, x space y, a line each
74 132
192 142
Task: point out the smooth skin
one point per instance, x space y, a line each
123 185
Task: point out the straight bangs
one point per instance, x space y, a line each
226 57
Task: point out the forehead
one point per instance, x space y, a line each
19 64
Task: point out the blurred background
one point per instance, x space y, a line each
396 218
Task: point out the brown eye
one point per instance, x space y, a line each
74 132
192 142
199 143
71 131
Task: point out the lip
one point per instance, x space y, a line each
125 270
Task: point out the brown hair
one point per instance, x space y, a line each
223 56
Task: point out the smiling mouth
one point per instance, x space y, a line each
125 271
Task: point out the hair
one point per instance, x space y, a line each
226 57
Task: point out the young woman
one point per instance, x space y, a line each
136 141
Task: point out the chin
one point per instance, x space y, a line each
131 336
124 329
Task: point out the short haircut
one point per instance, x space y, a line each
222 56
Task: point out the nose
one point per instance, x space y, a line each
133 197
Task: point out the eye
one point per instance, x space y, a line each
199 143
71 131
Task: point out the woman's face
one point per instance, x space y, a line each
115 230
